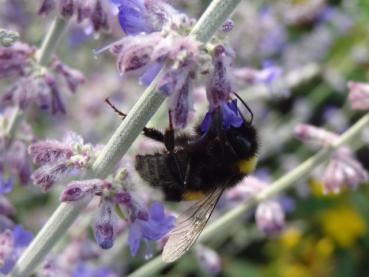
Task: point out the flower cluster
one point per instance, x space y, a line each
35 85
58 159
343 169
147 224
269 215
96 12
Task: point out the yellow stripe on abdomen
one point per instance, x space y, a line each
247 166
192 195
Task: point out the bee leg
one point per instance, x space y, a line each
188 168
169 145
148 132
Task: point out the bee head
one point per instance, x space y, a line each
243 140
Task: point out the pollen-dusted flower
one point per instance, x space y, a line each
269 217
208 259
343 170
105 226
358 95
12 242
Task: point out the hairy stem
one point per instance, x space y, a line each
283 183
217 12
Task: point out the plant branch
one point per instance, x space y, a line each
283 183
217 12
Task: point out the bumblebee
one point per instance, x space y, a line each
199 166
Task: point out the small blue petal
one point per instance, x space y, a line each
134 237
21 237
205 124
157 211
6 186
150 73
230 115
133 17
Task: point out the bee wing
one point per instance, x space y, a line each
189 226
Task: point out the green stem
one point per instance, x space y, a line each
217 12
51 40
288 180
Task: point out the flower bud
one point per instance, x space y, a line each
76 190
49 151
105 225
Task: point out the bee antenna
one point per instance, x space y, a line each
246 106
115 108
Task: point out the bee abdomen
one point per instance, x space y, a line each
154 170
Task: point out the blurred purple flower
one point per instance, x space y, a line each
269 217
246 189
133 17
15 60
5 185
343 170
358 95
208 259
314 135
84 270
78 190
12 245
73 78
49 151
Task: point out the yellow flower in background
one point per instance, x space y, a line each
296 270
343 224
290 237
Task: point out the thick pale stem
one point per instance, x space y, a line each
288 180
217 12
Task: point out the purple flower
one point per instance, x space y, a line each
84 270
154 227
358 95
343 170
230 117
105 226
73 78
5 185
49 151
46 7
208 259
269 217
314 135
219 86
133 17
12 244
78 190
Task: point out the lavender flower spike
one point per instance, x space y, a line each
358 95
269 217
219 85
